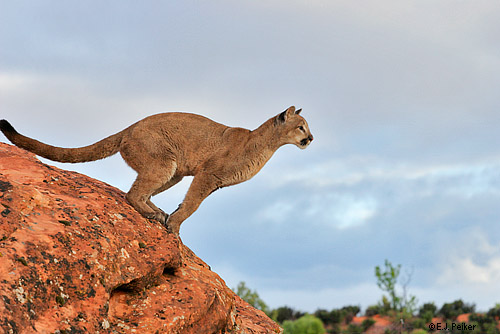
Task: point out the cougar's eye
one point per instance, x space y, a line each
301 128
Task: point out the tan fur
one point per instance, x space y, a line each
164 148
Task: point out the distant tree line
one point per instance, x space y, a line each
338 320
400 307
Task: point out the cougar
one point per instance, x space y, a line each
164 148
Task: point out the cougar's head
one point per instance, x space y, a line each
293 128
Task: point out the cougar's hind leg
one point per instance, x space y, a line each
173 181
200 188
146 184
139 195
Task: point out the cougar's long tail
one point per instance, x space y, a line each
99 150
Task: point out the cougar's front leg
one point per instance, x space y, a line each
200 188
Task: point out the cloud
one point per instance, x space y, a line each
341 210
477 261
467 271
461 179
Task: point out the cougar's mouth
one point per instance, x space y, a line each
306 141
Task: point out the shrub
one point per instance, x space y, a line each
419 323
486 322
426 310
367 323
349 312
419 331
453 310
307 324
285 313
494 311
353 329
373 310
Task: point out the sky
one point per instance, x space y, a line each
401 97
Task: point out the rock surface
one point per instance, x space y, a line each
76 258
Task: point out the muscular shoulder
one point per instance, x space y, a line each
178 117
235 134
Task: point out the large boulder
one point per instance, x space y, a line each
76 258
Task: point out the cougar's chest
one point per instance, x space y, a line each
242 168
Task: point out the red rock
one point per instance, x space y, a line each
75 257
463 317
382 323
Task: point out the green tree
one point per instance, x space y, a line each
285 313
387 280
251 297
494 311
323 315
307 324
336 316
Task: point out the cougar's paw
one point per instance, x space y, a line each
163 217
170 228
167 227
159 216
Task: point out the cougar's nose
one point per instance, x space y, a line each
311 137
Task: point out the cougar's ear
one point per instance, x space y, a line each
298 111
281 118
